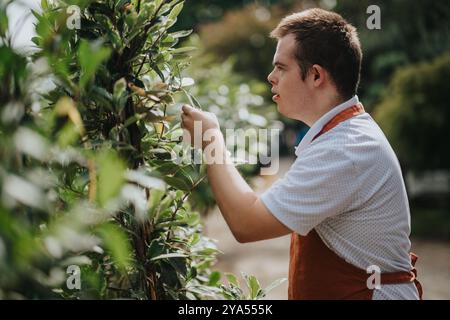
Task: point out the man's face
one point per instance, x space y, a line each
290 91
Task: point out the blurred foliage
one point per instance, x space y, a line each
431 218
199 12
243 34
415 113
85 177
411 31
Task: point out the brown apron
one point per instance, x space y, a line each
316 272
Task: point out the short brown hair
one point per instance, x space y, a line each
326 39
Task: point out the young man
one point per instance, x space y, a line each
343 200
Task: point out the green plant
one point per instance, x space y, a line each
233 290
85 177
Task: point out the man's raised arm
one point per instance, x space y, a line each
247 217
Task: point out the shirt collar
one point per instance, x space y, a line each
318 125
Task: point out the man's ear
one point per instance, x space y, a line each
318 74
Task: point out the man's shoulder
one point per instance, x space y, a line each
357 131
358 140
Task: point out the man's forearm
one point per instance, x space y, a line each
247 217
234 196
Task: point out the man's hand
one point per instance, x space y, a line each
204 121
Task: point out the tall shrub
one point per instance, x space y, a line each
89 187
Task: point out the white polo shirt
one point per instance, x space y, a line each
347 185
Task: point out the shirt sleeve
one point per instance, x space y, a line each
320 184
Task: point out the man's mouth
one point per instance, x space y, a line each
276 97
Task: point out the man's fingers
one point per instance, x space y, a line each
184 120
186 109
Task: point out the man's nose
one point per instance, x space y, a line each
271 78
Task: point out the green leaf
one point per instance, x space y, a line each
36 40
207 252
181 34
119 3
253 286
3 23
167 168
170 255
119 88
101 96
169 276
172 16
167 201
111 176
184 174
180 265
183 50
90 56
168 41
192 218
158 71
175 11
148 9
158 3
155 199
133 119
193 102
145 180
44 5
186 82
232 279
117 244
192 273
204 290
214 278
166 6
177 183
164 215
68 135
195 239
155 249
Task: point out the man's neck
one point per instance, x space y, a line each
324 106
